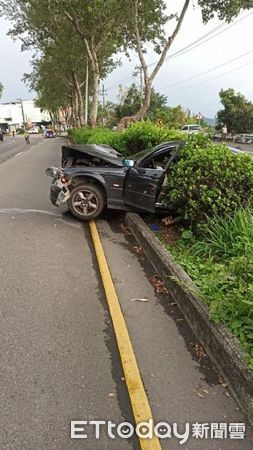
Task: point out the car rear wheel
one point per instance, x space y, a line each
86 202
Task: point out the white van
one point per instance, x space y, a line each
192 128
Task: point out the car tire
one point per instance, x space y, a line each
86 202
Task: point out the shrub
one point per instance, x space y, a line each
208 180
106 136
145 134
139 136
80 135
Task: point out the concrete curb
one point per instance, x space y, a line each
222 348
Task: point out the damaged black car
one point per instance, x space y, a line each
94 177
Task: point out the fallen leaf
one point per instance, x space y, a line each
137 249
158 284
198 351
168 220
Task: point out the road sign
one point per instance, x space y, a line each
199 116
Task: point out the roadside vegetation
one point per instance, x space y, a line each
208 181
139 136
219 259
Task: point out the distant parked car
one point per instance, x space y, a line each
34 130
192 129
244 138
49 134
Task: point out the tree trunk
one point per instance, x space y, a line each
76 120
146 102
148 79
95 99
80 104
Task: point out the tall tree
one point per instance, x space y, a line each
97 23
37 23
146 20
237 112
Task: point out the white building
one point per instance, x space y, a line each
15 114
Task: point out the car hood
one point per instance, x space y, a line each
101 151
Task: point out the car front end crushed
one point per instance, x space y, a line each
59 189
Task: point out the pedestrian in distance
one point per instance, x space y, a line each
224 132
1 136
27 137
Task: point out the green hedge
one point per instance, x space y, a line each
139 136
208 180
144 135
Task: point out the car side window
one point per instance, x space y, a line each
159 161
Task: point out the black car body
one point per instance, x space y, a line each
96 176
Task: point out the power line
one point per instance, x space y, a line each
214 78
125 79
201 40
207 71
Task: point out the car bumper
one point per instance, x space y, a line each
58 194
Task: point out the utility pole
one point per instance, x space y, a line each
86 94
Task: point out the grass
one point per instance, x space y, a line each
220 262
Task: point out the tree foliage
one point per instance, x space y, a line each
1 89
131 100
237 112
145 24
224 9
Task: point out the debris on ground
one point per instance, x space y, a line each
138 250
125 229
158 285
139 300
168 221
154 227
198 351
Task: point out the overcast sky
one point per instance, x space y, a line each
199 94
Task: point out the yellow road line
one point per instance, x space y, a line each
137 394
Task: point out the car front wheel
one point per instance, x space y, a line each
86 202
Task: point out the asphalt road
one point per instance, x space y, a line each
59 359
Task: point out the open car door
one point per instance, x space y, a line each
143 185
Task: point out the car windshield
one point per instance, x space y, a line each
136 156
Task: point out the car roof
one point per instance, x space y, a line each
160 148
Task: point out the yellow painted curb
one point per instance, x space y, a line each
137 394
